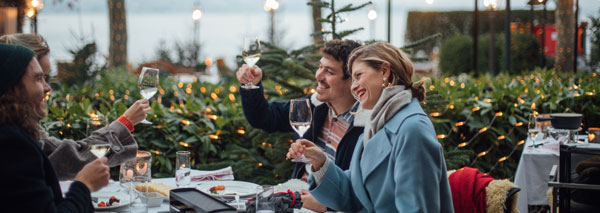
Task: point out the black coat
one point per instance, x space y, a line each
274 117
28 182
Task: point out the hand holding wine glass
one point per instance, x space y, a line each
251 53
148 84
300 118
311 153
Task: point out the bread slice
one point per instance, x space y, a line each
154 187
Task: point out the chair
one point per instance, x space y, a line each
500 195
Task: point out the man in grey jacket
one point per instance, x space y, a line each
69 156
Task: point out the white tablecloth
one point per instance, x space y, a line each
533 171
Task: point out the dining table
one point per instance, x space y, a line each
115 186
533 171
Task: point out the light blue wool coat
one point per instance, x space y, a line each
401 169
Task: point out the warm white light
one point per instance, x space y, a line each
490 3
196 14
429 1
372 15
271 5
540 1
30 13
35 3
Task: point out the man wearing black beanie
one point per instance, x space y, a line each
28 178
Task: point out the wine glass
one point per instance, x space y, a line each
300 118
94 123
251 54
532 129
99 150
148 85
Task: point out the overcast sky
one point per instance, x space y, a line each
588 7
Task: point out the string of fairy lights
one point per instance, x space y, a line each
437 115
219 93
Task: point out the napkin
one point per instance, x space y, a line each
221 174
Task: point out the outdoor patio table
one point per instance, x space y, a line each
533 171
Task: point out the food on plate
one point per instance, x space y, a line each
111 201
214 189
154 187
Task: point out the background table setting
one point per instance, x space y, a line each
540 154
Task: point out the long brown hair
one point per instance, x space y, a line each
14 109
37 43
401 68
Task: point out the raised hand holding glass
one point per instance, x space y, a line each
300 118
148 85
251 53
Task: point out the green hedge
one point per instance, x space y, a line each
482 121
456 54
449 23
207 119
203 118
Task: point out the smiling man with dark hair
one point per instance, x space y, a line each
334 127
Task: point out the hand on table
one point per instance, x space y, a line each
94 175
309 202
310 150
247 74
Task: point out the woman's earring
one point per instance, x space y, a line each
385 83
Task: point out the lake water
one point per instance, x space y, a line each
220 34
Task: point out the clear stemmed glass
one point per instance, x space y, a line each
251 54
532 129
95 122
148 84
300 118
99 150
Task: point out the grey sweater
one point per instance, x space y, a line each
69 156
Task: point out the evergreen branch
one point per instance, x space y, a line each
324 20
349 7
348 32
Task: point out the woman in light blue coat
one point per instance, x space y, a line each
399 166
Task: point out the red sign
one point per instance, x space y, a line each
551 36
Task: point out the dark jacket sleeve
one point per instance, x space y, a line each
270 117
26 182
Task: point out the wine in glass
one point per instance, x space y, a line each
148 84
300 118
99 150
251 54
532 129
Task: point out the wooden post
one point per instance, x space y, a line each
118 33
564 27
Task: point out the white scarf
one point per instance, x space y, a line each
391 100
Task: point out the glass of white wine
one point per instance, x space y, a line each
532 129
148 85
251 53
300 118
99 150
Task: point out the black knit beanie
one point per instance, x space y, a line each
14 60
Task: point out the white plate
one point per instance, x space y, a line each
105 196
241 188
